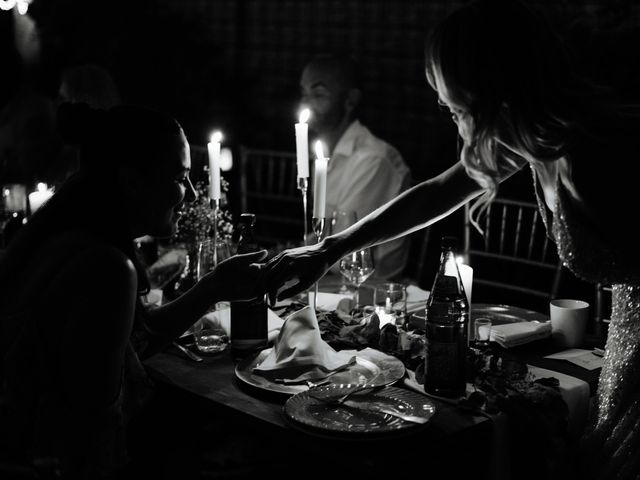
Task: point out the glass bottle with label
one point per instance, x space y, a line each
248 319
447 314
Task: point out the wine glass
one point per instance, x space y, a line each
211 331
340 220
356 268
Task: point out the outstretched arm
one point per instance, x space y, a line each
293 271
237 278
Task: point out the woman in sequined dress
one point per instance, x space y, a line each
504 76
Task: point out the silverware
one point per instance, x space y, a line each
374 407
187 352
342 396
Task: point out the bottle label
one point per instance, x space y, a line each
445 360
249 329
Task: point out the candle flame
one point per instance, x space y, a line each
304 115
216 136
319 149
42 187
23 7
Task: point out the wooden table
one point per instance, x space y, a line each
258 414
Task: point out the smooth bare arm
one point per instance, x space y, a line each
237 278
416 208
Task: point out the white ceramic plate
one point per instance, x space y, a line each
370 363
503 314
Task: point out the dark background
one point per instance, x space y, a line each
235 64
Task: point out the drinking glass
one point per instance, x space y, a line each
13 209
340 220
482 332
209 331
390 300
356 268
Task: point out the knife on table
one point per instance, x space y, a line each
374 407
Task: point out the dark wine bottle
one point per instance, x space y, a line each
248 318
447 314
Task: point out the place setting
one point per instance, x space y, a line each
334 392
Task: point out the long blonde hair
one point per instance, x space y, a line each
502 62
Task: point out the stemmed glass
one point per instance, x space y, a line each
341 220
356 268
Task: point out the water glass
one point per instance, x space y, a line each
390 300
210 253
481 332
211 332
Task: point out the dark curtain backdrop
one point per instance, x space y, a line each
235 64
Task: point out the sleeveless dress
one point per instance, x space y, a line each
37 419
610 448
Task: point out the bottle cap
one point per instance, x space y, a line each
248 219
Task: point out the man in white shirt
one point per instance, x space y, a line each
364 172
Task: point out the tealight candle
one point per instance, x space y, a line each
302 143
213 147
319 182
39 197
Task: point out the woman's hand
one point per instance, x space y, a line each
240 277
293 271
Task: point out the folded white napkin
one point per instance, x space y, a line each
328 302
300 354
416 298
518 333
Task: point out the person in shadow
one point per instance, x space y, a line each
88 83
509 84
364 171
73 328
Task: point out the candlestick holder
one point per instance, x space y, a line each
318 229
215 206
303 185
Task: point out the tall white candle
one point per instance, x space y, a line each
320 182
466 273
302 144
213 148
39 197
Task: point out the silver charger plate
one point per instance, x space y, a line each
504 314
370 365
320 418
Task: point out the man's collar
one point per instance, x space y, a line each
347 140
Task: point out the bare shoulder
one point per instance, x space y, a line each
86 261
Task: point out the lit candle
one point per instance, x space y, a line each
466 273
39 197
302 144
14 197
213 148
319 182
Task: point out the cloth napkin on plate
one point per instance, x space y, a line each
300 354
518 333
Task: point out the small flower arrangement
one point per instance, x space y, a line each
198 221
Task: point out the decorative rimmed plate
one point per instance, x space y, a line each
370 363
359 417
503 314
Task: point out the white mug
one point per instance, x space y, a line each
568 322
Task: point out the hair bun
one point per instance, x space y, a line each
78 123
